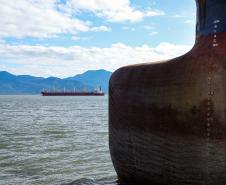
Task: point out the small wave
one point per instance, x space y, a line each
86 181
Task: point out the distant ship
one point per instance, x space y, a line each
96 92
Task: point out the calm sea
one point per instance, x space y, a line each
54 140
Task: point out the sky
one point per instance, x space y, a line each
67 37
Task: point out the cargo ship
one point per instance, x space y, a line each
96 92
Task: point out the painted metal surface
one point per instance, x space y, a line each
72 93
167 121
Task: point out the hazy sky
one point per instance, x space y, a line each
66 37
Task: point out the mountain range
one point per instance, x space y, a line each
26 84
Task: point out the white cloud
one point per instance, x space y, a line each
31 18
148 27
2 41
115 11
2 67
75 38
187 17
128 28
153 33
181 14
62 61
101 29
189 21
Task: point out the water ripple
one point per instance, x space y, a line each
54 140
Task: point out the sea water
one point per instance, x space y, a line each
54 140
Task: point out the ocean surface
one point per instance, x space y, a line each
54 140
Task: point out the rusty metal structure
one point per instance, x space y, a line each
167 120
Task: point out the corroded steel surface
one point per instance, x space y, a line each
167 121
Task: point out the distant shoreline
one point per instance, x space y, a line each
11 84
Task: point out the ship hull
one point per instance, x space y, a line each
167 121
71 94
